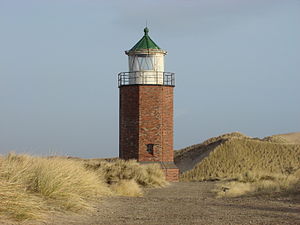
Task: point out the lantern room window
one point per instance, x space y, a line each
142 63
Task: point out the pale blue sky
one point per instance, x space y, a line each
237 68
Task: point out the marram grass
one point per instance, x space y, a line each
236 157
17 203
149 175
249 165
32 186
261 184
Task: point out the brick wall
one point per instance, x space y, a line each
172 175
168 121
129 122
146 117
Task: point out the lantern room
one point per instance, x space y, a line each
146 64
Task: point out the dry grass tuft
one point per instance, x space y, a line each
18 204
112 172
31 186
127 188
66 183
261 184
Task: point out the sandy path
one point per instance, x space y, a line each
188 203
184 204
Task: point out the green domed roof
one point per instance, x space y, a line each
145 43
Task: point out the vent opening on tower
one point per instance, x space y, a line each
150 148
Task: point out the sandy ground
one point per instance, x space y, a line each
186 204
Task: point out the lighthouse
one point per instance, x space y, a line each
146 108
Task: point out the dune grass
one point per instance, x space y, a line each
127 188
36 183
236 157
252 165
32 186
149 175
261 184
16 203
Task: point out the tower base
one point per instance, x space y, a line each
172 175
169 168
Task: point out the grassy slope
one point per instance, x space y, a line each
187 158
246 165
32 186
231 155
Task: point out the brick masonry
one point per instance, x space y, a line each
172 174
146 117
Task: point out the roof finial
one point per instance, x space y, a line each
146 31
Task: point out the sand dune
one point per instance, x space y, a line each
235 153
291 137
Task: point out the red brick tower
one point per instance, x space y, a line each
146 108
